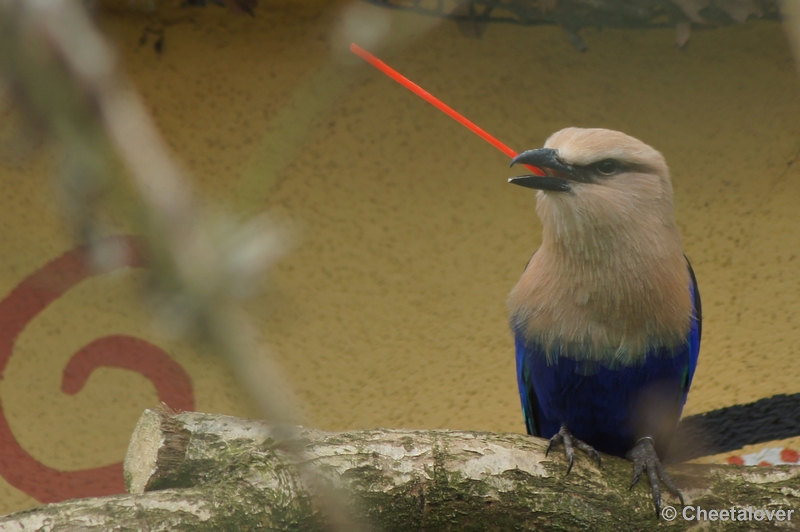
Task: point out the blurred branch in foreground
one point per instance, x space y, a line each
57 65
69 82
472 16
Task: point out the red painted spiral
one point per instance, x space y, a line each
23 304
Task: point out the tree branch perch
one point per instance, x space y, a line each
193 471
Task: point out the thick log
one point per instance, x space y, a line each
193 471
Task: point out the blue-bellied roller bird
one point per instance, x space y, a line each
606 315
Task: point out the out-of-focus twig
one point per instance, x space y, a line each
60 68
791 25
69 81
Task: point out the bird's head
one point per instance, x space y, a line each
610 275
600 175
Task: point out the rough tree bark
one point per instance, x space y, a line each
193 471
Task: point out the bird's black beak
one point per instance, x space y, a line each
545 158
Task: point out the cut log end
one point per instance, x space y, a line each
142 455
156 450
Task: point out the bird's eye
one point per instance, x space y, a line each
607 167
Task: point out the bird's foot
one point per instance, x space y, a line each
644 458
570 442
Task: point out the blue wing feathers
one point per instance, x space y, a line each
609 408
696 332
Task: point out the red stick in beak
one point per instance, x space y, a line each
436 102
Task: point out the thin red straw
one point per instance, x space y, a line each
436 102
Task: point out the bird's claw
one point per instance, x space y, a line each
570 442
644 458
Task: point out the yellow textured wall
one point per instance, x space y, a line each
390 310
